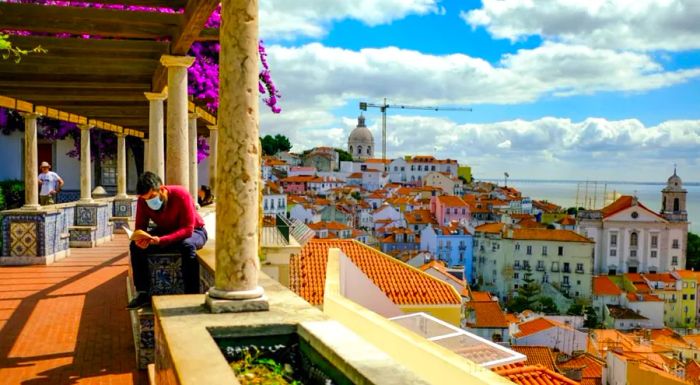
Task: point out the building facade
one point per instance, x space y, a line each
361 141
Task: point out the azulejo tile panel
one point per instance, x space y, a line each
166 274
23 239
81 235
86 215
122 208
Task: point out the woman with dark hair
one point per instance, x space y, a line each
204 196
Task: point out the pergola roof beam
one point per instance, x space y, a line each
90 21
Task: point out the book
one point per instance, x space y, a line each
137 234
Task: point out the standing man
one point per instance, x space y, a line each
178 228
50 184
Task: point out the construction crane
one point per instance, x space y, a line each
384 106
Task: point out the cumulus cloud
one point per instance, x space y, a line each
284 19
326 77
617 24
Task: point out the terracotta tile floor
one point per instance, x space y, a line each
66 323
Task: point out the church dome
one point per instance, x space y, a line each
674 183
361 133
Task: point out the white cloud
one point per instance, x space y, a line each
504 144
285 19
325 77
619 24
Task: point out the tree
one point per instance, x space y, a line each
572 211
271 145
693 250
545 305
343 155
529 296
591 321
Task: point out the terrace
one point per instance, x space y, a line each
65 320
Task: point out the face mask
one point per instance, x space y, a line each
155 203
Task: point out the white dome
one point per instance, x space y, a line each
674 183
361 134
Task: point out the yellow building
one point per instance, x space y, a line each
465 172
688 297
669 288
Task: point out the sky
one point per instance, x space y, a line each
559 89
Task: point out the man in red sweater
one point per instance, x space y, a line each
178 228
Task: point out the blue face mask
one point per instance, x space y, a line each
155 203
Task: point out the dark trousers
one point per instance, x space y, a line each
190 266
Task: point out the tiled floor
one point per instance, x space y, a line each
66 323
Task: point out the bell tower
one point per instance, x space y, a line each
673 199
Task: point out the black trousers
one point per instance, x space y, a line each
190 266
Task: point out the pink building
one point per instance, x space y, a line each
448 208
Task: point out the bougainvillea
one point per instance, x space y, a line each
203 82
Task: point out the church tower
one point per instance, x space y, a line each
361 141
673 198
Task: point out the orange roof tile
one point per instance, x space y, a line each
603 285
481 296
537 325
488 314
567 221
403 284
687 274
328 225
622 203
549 235
491 228
418 217
660 277
692 372
532 375
537 355
451 201
592 367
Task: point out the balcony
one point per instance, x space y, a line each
566 285
517 267
579 271
566 270
555 269
540 268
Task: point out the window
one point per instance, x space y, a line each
560 252
432 168
555 266
634 239
403 168
566 267
464 211
359 150
540 265
579 267
109 172
369 150
528 250
517 246
633 253
565 279
413 167
613 253
613 240
685 297
674 261
578 283
654 241
516 276
675 244
395 168
692 297
544 250
654 253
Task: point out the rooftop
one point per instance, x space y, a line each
403 284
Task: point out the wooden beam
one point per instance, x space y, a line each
208 34
105 112
59 86
66 95
77 47
90 21
36 64
174 4
197 12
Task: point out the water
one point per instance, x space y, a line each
563 193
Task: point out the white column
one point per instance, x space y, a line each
177 168
156 133
121 165
194 180
213 155
85 170
146 155
31 154
238 171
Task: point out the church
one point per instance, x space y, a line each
631 238
361 141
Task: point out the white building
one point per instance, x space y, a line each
631 238
305 213
361 141
414 170
274 200
547 332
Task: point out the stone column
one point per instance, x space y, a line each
238 171
146 155
213 155
31 155
121 165
177 168
85 170
156 152
194 180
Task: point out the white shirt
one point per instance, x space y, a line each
49 182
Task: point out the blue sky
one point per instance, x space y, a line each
608 86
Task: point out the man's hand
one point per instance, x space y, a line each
143 243
155 240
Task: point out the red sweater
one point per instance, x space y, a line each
175 220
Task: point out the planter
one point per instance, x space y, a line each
282 357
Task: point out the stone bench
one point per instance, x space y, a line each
166 278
